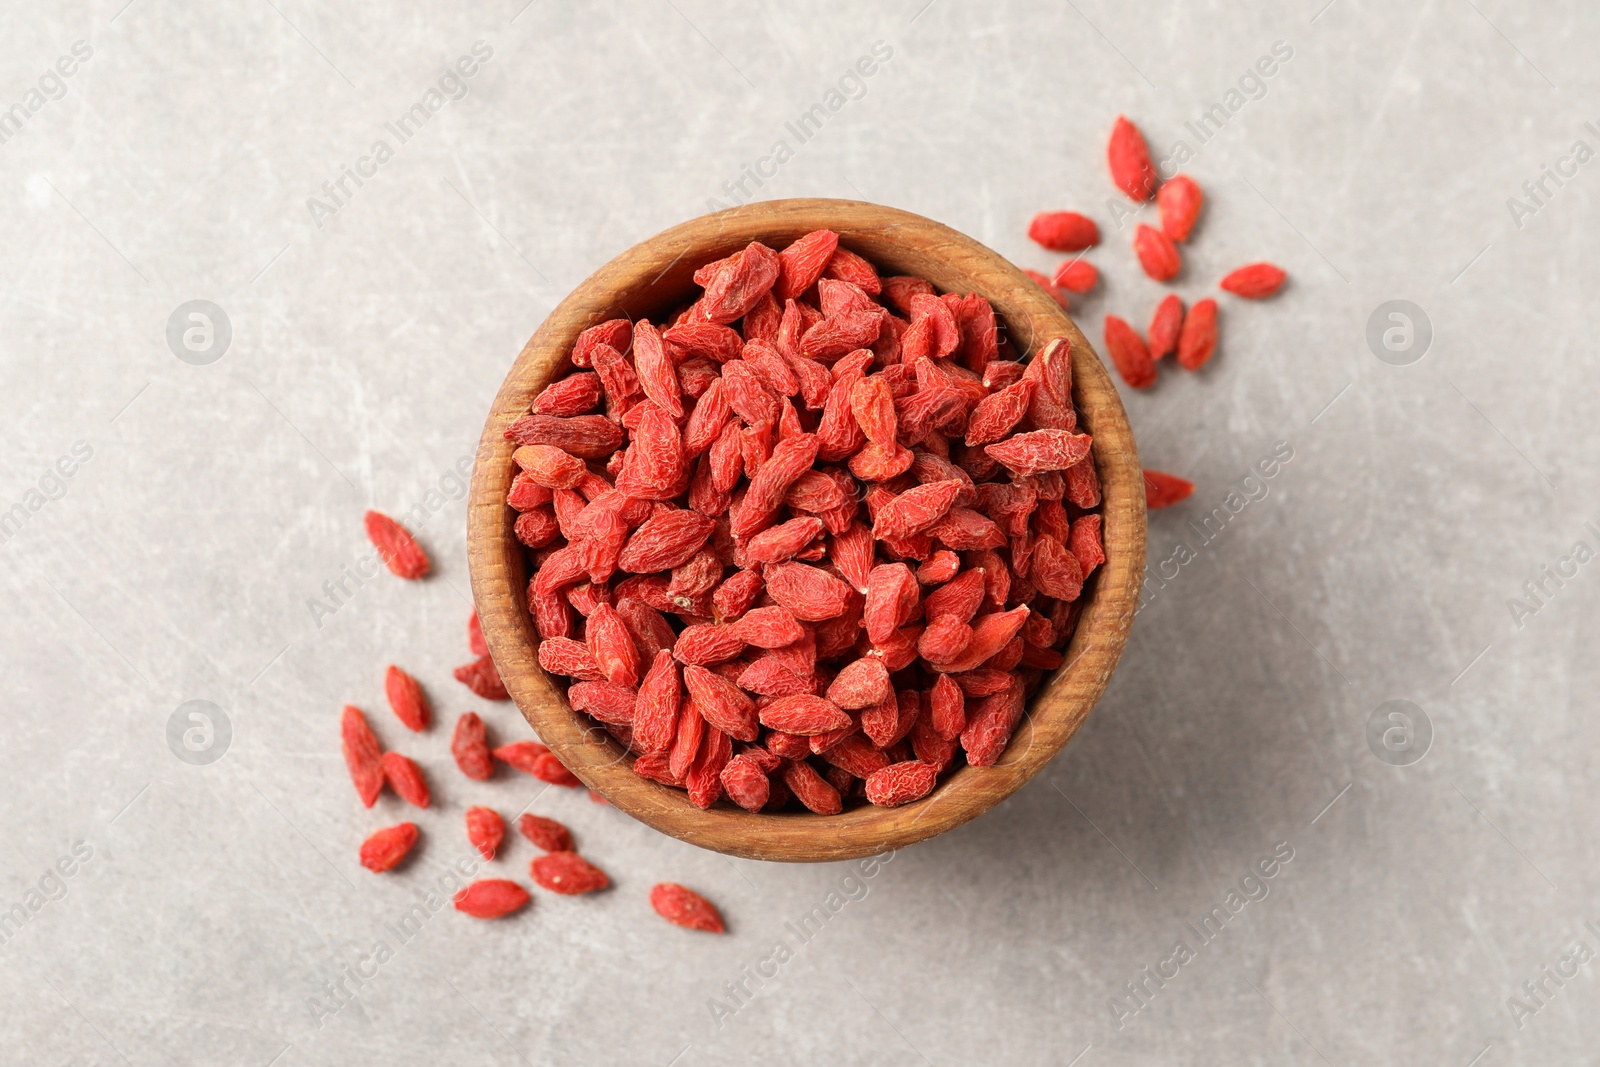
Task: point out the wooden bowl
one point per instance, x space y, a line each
655 276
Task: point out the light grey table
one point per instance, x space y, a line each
214 500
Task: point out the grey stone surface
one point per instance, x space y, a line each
213 495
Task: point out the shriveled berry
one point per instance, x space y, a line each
362 756
1179 199
405 778
387 847
1063 231
1198 338
482 677
567 873
1129 160
1165 325
1163 490
405 697
683 907
1157 254
485 830
396 547
1254 281
901 783
545 833
491 898
470 747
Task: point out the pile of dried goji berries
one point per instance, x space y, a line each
560 869
1190 334
815 537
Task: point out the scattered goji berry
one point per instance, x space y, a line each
491 898
683 907
1162 490
396 547
1254 281
567 873
485 830
387 847
362 756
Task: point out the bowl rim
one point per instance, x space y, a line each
641 275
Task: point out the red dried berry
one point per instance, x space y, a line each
545 833
746 783
548 768
1129 160
991 723
491 898
685 908
405 778
1254 281
1179 200
901 783
1076 276
804 714
801 264
1157 254
655 714
1041 450
567 873
860 684
1165 324
1084 543
812 790
1198 339
485 830
470 747
396 547
1163 490
482 678
520 755
475 641
387 847
362 756
1064 231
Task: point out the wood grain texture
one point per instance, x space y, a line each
655 276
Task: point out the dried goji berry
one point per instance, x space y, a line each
545 833
1163 490
485 830
1179 200
1064 231
396 547
482 678
1076 276
682 907
1129 160
1165 324
405 778
1254 281
387 847
362 756
1198 338
1157 254
470 747
491 898
901 783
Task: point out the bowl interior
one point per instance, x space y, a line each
650 280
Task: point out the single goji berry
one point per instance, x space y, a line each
491 898
387 847
396 547
470 747
485 830
362 756
405 778
683 907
